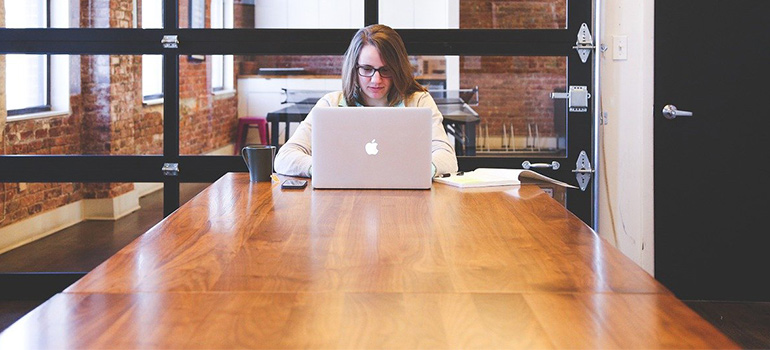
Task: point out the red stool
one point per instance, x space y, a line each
243 126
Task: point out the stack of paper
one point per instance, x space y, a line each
486 177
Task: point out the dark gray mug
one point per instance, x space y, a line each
259 160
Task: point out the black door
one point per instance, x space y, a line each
711 59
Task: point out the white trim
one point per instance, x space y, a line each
17 118
224 93
111 208
153 102
145 188
223 151
60 96
39 226
52 221
60 82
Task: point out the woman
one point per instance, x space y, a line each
376 72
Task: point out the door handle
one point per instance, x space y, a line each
670 112
527 164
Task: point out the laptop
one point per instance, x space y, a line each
372 147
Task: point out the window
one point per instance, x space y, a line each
36 85
28 75
152 65
221 65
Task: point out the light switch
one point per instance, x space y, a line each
619 47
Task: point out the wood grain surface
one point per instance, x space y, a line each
245 265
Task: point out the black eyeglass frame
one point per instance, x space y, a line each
389 73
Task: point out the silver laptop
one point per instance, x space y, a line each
372 147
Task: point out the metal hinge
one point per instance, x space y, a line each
583 170
170 42
578 98
170 169
585 43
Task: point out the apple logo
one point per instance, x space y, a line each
371 148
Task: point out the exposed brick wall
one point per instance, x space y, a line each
513 14
243 15
206 123
26 200
514 90
148 130
54 135
110 93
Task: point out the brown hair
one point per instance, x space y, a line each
391 48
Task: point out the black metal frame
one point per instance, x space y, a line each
483 42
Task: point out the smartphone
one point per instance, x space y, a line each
294 183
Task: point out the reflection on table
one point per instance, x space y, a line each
249 265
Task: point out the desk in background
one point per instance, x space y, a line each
460 121
248 265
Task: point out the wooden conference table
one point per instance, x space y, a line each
246 265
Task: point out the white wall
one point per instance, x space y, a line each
308 14
626 183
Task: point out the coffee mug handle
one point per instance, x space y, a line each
245 159
272 161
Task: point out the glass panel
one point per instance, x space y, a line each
192 14
209 123
517 115
104 227
474 14
151 14
492 105
152 77
71 14
28 74
96 108
26 14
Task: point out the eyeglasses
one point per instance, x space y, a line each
368 71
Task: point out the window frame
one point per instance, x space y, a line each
31 111
225 65
154 96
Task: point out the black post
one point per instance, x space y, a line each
170 108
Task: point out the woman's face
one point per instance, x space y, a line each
375 88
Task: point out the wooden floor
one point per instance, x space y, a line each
84 246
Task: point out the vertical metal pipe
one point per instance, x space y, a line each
170 109
597 18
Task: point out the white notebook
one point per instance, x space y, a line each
487 177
